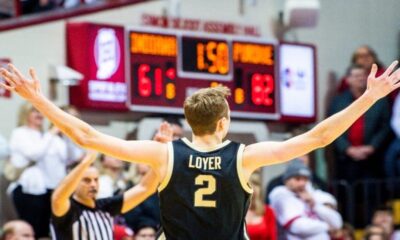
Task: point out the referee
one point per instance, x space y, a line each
82 216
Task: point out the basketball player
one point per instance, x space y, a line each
204 191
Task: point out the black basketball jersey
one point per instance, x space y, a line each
204 195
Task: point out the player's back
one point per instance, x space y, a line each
204 195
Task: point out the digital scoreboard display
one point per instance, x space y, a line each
166 67
205 58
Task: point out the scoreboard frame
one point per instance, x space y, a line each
295 118
229 78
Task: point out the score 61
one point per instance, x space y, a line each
153 80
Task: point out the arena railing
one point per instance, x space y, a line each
357 201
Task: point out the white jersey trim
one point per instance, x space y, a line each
162 237
246 235
239 167
170 167
219 146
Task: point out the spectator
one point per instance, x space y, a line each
298 210
383 217
316 181
358 150
260 218
146 231
76 214
111 180
374 232
31 151
17 230
364 56
328 200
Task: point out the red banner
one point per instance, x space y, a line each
97 51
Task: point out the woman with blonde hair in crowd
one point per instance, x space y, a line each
363 56
260 218
36 159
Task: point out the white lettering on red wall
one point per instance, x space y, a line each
97 51
106 91
200 25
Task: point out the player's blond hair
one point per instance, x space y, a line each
205 108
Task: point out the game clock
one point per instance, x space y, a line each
205 58
166 67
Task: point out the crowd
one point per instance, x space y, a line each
36 161
47 180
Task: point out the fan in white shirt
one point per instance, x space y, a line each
301 210
41 157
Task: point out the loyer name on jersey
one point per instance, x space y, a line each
205 163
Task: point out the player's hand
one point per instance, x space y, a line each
28 88
378 87
165 133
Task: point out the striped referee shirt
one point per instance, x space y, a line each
84 223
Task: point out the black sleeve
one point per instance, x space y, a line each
112 205
67 218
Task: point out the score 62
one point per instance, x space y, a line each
262 88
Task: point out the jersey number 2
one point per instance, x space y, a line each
207 190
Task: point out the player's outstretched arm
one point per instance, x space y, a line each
140 192
267 153
148 152
60 199
149 183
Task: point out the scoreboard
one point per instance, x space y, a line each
167 66
154 69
